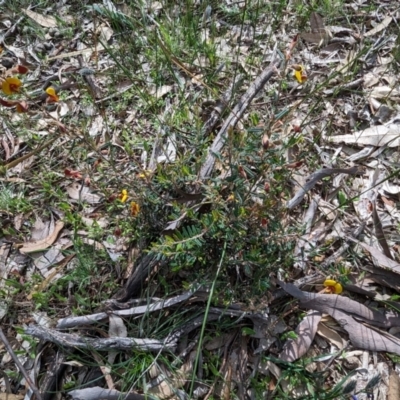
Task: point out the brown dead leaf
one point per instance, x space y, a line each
380 234
82 193
167 387
10 396
50 277
318 34
394 386
379 135
39 245
332 336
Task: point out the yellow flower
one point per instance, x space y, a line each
53 97
299 73
134 209
332 286
123 196
11 85
145 174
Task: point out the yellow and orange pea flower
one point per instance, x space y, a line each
11 85
333 287
123 196
134 209
53 97
299 73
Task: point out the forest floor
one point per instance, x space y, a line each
199 200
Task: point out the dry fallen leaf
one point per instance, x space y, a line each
379 135
82 193
45 20
332 336
31 247
394 386
295 348
380 27
344 311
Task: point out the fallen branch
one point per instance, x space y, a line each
95 393
235 115
20 366
99 344
313 179
84 320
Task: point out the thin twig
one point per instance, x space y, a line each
20 366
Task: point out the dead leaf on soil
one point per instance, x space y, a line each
394 386
296 348
380 27
318 34
116 328
332 336
51 275
343 310
44 20
168 386
379 135
382 260
31 247
82 193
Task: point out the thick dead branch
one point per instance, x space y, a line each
95 393
70 322
221 106
235 116
114 343
313 179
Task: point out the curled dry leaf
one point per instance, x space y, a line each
295 348
82 193
344 311
31 247
332 336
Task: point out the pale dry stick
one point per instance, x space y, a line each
221 106
234 117
69 340
20 366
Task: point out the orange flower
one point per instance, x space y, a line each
53 98
332 286
134 209
11 85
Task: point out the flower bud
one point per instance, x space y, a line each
265 142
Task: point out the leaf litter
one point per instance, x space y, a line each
349 191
